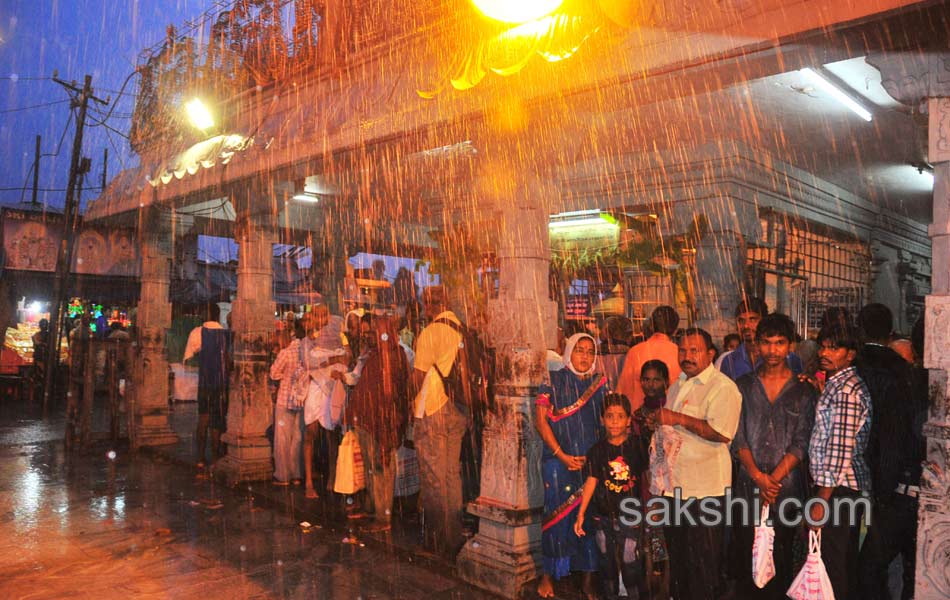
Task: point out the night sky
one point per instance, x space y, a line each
102 38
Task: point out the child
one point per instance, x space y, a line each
614 468
654 381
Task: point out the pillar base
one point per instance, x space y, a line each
505 554
495 569
153 430
248 459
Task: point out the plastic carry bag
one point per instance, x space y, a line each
812 582
763 562
350 476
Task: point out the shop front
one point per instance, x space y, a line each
103 279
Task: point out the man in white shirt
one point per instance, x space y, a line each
439 426
703 409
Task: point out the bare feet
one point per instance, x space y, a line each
311 493
546 587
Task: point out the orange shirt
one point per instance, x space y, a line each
658 347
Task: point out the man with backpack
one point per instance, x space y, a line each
449 377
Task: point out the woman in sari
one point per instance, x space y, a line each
568 419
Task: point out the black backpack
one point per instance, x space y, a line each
470 382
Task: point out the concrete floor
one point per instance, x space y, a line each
143 526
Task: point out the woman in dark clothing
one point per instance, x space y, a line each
378 411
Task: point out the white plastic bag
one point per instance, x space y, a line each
664 452
763 563
812 582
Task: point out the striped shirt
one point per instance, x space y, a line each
840 437
283 369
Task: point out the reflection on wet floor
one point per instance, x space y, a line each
86 525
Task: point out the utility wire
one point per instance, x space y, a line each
98 123
26 187
62 137
22 108
18 78
118 153
119 96
55 154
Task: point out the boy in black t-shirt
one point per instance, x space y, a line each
614 466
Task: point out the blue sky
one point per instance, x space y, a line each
75 37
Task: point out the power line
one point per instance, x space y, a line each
102 123
119 96
118 153
59 146
26 187
55 154
22 108
18 78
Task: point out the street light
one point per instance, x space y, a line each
521 11
199 115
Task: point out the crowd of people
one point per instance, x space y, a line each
777 419
770 417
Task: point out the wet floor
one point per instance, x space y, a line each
141 526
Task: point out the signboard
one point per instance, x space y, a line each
578 307
31 241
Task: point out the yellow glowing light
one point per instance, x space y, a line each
516 11
199 115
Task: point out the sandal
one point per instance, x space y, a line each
278 482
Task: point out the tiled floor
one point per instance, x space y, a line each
139 526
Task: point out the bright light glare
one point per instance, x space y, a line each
35 307
307 197
199 115
516 11
601 220
836 93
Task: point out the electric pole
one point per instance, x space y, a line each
105 167
36 170
64 254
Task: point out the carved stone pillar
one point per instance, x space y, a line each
505 553
154 316
922 81
250 411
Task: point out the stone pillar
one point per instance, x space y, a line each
922 81
154 316
718 280
505 553
250 411
933 538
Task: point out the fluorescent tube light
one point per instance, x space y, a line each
839 95
582 218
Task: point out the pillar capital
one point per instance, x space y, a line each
912 78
